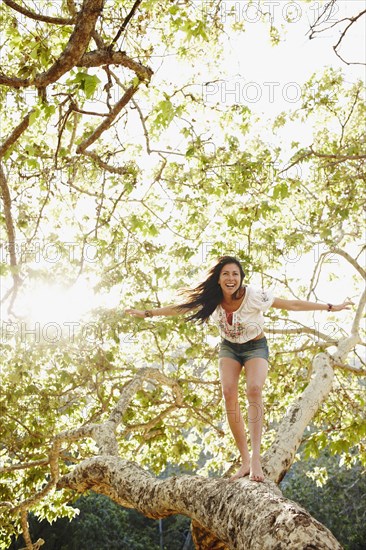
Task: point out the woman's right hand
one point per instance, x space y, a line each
135 312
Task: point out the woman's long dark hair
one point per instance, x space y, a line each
208 294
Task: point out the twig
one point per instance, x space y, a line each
125 23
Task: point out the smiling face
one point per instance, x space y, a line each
229 279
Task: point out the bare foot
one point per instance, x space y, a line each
242 472
256 472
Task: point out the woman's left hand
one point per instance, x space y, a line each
345 305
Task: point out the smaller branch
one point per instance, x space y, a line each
71 7
327 6
344 124
125 23
6 198
62 124
73 132
6 504
338 157
98 40
108 120
301 330
23 466
306 346
335 48
206 421
352 20
37 16
296 161
363 248
316 275
25 530
147 427
83 112
15 135
54 471
143 123
350 368
121 170
349 259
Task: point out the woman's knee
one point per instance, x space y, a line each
230 393
254 391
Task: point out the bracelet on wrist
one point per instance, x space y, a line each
330 307
148 313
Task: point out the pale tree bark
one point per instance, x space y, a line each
241 515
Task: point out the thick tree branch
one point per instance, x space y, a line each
205 539
75 48
77 44
243 514
105 57
279 457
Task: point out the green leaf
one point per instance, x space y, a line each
33 116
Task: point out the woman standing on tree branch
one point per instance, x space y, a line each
238 311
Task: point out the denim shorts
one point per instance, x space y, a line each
246 351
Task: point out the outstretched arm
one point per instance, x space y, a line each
161 311
303 305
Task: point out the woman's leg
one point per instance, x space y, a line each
256 372
230 370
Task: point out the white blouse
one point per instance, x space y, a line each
248 320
